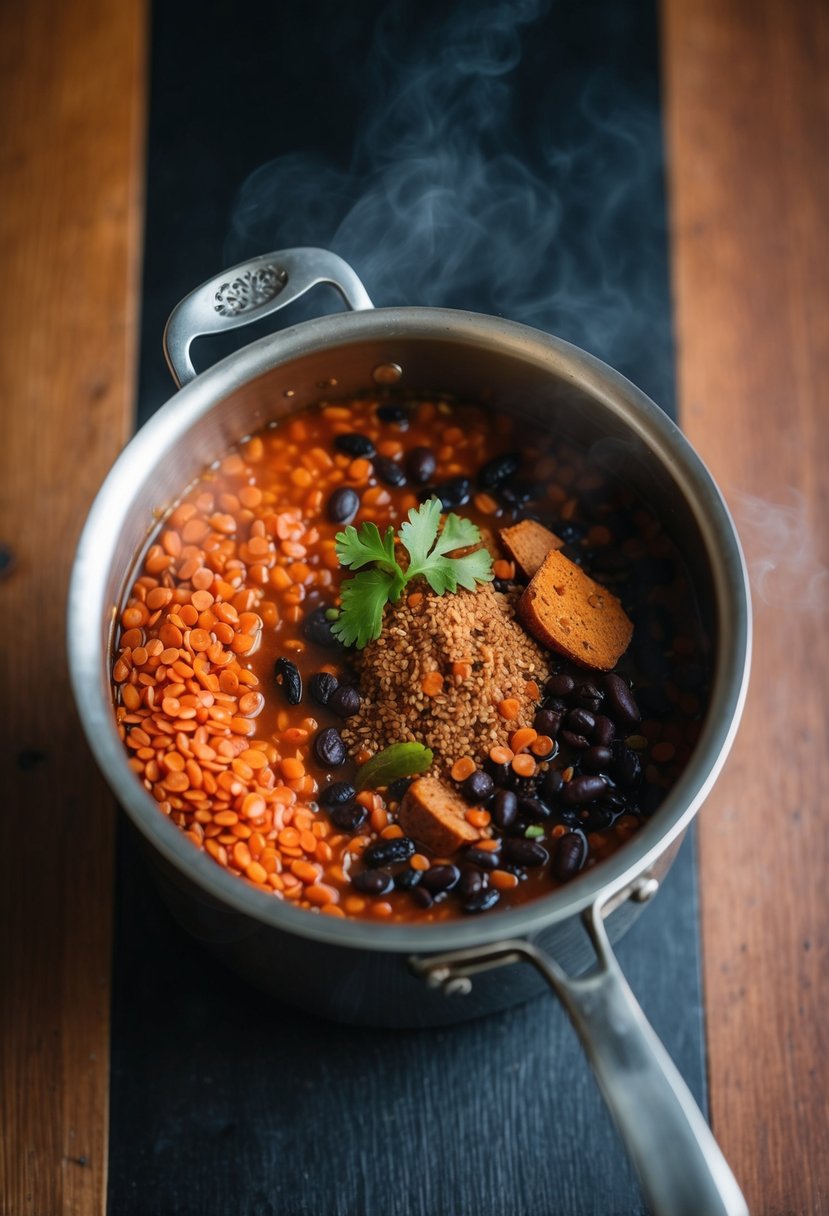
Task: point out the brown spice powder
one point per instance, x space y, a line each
474 642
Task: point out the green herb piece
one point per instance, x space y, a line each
399 760
534 831
429 548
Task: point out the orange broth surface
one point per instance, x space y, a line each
227 585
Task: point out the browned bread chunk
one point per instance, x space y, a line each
433 815
563 608
528 543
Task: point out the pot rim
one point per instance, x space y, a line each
89 668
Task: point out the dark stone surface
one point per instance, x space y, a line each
223 1102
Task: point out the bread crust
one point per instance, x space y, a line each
433 815
528 543
565 610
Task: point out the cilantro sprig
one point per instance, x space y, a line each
430 550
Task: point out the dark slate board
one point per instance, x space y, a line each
221 1101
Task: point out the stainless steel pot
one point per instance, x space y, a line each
404 975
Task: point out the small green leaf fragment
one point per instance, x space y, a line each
399 760
534 831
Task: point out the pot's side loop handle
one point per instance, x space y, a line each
252 290
680 1165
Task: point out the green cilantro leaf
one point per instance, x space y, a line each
429 547
356 549
418 535
363 599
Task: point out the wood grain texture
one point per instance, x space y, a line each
748 127
71 95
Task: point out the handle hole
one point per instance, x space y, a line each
322 300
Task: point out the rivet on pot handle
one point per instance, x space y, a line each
680 1165
250 291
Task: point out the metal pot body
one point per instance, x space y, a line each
549 384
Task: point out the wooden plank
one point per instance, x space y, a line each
72 97
748 132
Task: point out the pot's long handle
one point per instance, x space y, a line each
252 290
680 1165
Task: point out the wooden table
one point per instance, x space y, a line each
747 125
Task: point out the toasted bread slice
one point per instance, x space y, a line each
564 609
433 814
528 543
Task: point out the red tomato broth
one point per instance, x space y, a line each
227 585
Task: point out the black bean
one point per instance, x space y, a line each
343 505
329 749
398 788
441 878
525 852
620 700
518 492
597 760
569 856
454 492
407 879
548 722
478 786
560 685
387 852
498 470
354 444
349 817
321 686
485 859
578 743
389 471
288 678
551 785
472 881
580 721
422 897
604 732
627 767
598 818
501 774
317 629
502 584
583 789
589 697
373 882
482 902
345 702
504 809
533 809
421 465
337 793
392 413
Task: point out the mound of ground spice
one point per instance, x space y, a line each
455 672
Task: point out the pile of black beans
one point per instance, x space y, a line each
589 717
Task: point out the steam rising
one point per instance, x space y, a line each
453 195
783 564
